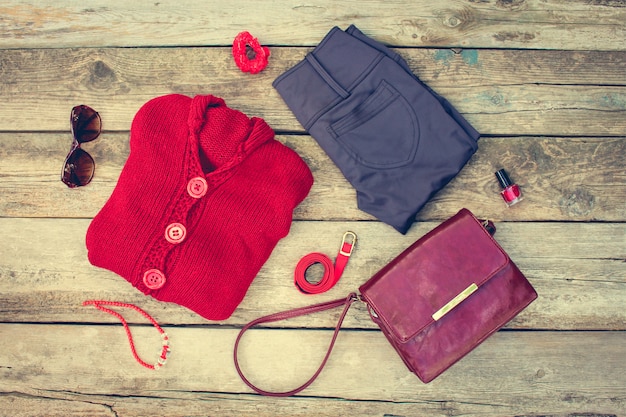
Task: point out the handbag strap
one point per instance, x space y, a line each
346 302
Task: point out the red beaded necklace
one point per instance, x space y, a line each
166 344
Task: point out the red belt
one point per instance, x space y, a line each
332 273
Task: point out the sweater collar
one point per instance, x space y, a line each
221 137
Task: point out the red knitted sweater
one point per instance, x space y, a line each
203 199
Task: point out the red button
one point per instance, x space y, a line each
197 187
154 279
175 233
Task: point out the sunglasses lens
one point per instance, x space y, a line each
86 123
79 168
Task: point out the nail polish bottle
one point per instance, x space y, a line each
511 193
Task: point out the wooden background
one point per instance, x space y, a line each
544 81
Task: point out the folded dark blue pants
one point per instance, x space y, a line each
394 139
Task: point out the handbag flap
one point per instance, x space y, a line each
433 275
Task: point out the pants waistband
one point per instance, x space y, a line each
323 79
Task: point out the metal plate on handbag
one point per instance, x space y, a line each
445 294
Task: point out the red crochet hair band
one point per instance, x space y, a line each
249 55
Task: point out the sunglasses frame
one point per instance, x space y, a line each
70 174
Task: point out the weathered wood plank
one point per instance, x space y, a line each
578 270
500 92
53 403
59 404
562 179
553 24
544 370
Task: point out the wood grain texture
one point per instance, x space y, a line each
536 24
544 82
81 361
562 179
581 281
178 404
500 92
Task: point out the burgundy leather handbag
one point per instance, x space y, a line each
436 301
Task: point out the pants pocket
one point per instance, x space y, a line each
380 132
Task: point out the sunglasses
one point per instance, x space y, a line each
79 165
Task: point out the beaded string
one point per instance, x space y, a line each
166 344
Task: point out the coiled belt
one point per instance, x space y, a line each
332 272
